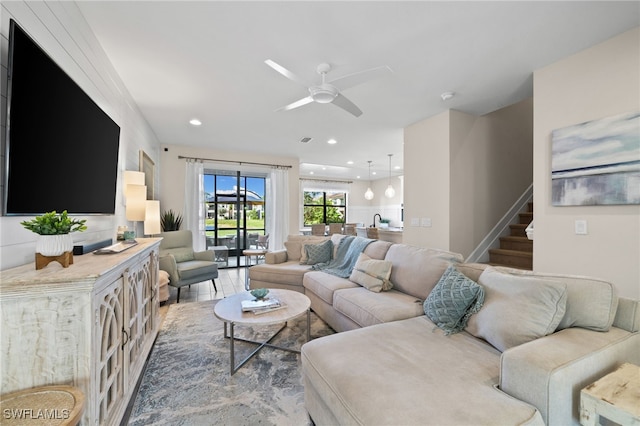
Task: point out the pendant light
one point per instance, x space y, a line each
369 194
390 192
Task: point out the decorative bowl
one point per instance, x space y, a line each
259 293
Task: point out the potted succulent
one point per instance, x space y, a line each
170 221
54 232
384 223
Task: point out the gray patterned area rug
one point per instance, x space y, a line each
187 380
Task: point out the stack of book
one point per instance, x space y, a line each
261 306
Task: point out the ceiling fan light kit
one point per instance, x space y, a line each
325 92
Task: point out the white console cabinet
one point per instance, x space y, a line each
90 325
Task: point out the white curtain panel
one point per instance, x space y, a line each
194 207
277 219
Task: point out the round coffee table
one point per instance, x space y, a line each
229 310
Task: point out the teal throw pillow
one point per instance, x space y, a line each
453 300
318 253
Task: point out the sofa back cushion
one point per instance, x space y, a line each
517 309
377 249
416 270
591 303
294 245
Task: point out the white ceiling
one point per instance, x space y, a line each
205 59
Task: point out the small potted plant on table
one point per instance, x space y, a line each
54 235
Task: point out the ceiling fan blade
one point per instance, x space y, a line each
296 104
285 72
347 105
351 80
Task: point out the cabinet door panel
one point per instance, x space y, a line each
110 368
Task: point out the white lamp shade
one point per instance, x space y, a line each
390 192
136 202
132 178
369 194
152 217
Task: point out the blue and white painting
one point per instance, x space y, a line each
597 163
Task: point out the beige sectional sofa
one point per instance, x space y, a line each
522 358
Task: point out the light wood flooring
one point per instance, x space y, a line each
229 282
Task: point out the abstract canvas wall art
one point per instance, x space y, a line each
597 162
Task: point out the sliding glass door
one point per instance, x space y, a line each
235 210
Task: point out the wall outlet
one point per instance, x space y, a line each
581 227
425 222
415 221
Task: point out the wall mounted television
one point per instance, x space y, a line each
61 148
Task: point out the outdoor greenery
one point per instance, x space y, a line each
53 223
322 207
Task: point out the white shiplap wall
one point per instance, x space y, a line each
60 29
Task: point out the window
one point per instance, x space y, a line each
324 207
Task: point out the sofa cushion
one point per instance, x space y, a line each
294 244
183 254
402 373
591 303
324 285
367 308
289 272
335 239
416 270
377 249
196 268
317 252
453 300
327 247
372 274
517 309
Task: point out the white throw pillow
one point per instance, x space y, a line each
372 274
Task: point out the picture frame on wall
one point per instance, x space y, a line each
147 166
597 162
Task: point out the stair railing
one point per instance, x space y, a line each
492 240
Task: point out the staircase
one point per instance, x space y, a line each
516 250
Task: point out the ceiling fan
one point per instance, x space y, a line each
329 91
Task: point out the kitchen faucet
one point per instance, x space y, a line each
374 219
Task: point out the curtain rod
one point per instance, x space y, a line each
327 180
277 166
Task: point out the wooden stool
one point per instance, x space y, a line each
45 405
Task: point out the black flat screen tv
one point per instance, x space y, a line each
61 148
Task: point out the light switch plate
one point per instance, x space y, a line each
415 221
581 227
426 222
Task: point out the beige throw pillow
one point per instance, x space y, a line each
372 274
517 309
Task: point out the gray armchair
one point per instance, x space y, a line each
186 267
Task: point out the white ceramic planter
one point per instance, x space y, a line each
54 245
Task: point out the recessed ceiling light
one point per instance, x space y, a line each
397 167
310 173
195 122
373 173
357 177
324 168
349 162
332 141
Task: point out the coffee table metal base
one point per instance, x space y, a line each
266 343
